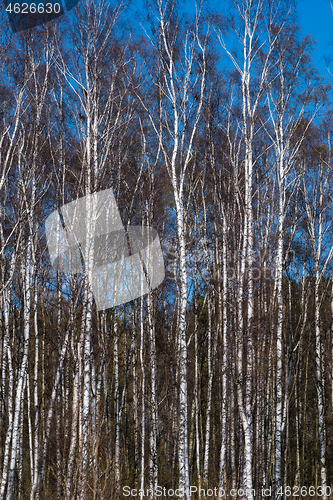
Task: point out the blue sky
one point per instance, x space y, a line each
316 18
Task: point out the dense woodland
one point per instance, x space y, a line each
215 129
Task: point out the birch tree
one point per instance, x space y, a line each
318 222
180 100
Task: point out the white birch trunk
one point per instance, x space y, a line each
75 413
320 395
116 404
196 382
143 390
209 392
279 339
135 398
10 401
153 465
28 269
31 456
184 480
223 450
35 394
